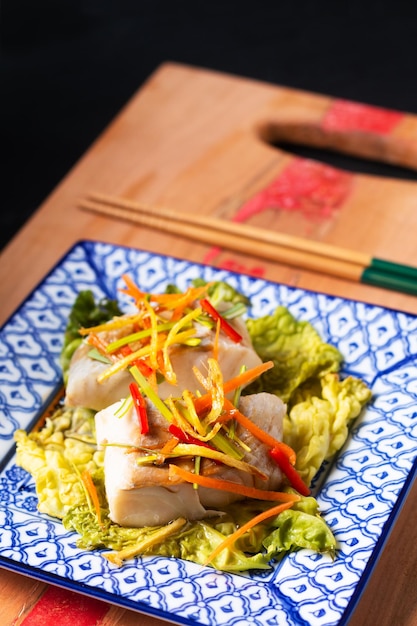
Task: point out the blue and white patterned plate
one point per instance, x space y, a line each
360 493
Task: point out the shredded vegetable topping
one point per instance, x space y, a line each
202 426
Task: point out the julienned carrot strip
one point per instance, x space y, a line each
166 300
230 540
132 289
227 485
178 302
234 413
168 447
203 403
99 344
92 492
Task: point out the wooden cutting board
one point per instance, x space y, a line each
196 140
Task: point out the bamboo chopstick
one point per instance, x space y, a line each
266 244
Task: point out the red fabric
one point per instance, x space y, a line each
60 607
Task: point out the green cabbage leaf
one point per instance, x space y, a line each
296 349
56 455
317 423
320 406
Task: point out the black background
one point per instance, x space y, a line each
68 66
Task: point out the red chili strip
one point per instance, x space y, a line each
289 470
140 406
224 324
186 438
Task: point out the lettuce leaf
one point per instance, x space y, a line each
317 424
296 528
300 527
305 375
56 455
295 347
195 543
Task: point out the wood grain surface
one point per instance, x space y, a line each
196 140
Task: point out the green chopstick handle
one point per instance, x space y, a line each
390 280
393 268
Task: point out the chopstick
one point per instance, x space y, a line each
267 244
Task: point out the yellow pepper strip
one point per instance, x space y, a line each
203 403
180 420
153 539
153 337
191 414
216 389
138 336
190 449
114 324
214 385
177 416
172 338
141 352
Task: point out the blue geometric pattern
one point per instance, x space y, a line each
358 493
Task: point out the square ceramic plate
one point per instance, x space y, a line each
360 493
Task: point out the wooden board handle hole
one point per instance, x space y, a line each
361 153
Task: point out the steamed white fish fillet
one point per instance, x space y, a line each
231 357
158 499
145 495
266 411
83 389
